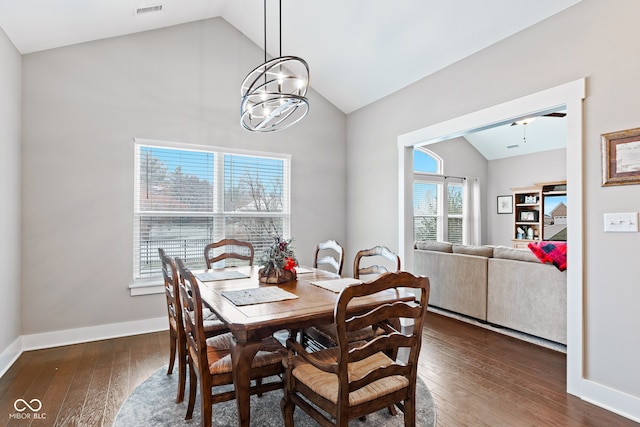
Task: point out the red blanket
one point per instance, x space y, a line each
551 252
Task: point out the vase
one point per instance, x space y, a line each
275 276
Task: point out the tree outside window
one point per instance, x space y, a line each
186 199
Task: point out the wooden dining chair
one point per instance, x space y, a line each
210 359
176 329
329 254
378 267
228 249
177 340
355 379
323 336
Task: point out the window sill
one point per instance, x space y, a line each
146 287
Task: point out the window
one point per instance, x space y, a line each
426 161
187 197
437 201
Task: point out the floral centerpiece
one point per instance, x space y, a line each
278 262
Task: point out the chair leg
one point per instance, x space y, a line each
287 407
206 410
286 404
182 374
193 383
172 350
410 412
258 384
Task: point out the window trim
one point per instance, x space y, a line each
155 285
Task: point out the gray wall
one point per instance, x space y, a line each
10 106
84 104
592 39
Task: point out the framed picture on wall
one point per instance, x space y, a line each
505 204
621 157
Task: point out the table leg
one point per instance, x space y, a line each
242 354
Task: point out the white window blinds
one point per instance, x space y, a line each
437 208
186 198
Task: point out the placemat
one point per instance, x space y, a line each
335 285
211 276
257 295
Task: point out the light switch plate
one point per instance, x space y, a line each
621 222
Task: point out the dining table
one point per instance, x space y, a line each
253 311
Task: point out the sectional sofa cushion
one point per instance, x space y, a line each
502 252
485 251
427 245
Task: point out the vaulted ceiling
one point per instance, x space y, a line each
358 51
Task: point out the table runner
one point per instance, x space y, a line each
211 276
257 295
335 285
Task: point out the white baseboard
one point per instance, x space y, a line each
79 335
10 355
612 400
93 333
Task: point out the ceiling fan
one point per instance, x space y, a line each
530 119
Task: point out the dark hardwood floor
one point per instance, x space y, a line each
477 377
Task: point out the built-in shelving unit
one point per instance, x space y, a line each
527 218
528 212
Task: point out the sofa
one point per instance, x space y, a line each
502 286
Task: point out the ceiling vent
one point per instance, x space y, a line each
148 9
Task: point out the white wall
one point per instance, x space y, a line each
10 106
84 104
593 39
518 171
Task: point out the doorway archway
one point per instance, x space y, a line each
569 95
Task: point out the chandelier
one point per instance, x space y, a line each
273 94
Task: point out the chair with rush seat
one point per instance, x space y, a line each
355 379
210 359
178 345
323 336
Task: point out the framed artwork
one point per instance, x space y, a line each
621 157
505 204
528 216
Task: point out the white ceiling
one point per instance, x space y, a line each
358 51
541 134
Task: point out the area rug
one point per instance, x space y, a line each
152 403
